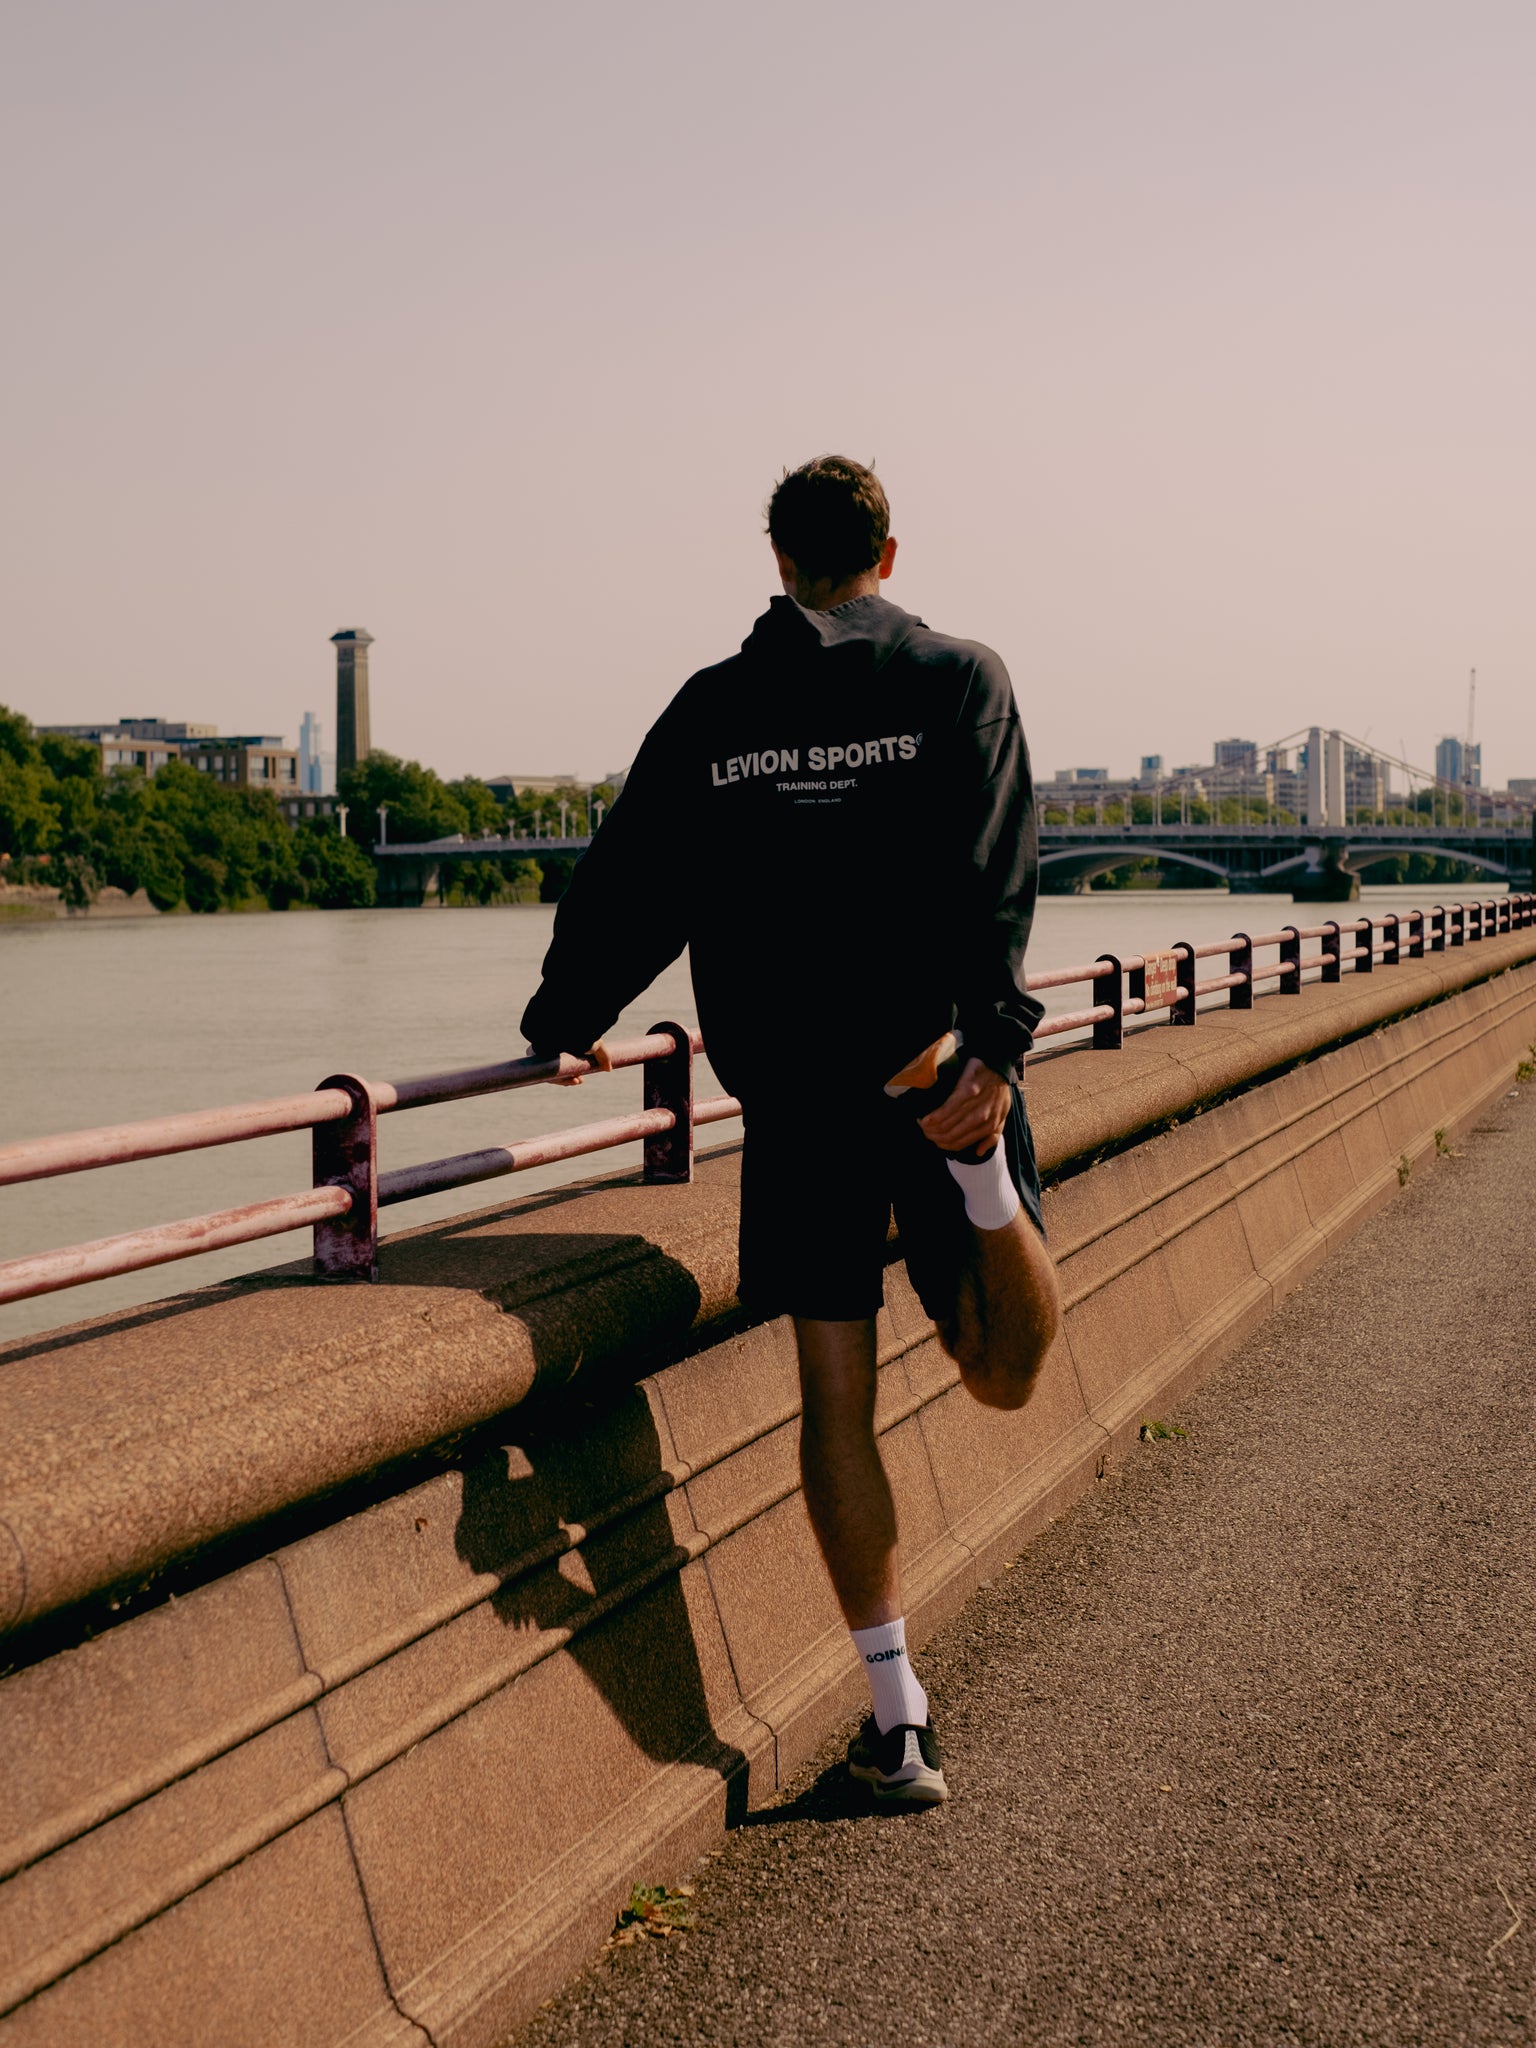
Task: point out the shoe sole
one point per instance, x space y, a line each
923 1072
927 1788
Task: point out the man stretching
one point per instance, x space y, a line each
838 823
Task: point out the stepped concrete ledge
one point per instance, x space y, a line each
448 1668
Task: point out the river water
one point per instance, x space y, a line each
106 1021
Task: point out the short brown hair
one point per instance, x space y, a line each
830 518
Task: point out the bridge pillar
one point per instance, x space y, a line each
1327 877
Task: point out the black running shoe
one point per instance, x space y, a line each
902 1766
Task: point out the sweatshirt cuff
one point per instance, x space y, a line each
1001 1040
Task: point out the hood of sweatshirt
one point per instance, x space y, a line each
789 630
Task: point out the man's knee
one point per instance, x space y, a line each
1000 1367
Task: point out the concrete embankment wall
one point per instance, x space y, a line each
494 1592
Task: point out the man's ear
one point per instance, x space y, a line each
789 576
887 558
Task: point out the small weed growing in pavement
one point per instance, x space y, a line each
1161 1432
1526 1071
1404 1170
654 1911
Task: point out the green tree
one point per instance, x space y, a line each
336 873
421 805
485 816
29 820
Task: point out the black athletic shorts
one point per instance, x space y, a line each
816 1206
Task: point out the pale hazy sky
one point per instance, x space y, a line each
1194 341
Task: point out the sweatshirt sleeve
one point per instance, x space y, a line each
1000 873
622 919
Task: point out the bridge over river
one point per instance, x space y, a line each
1313 863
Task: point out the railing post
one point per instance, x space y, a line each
1240 961
1290 961
1391 940
1330 949
1365 945
1438 928
1182 1009
346 1155
1415 935
1457 918
669 1085
1109 988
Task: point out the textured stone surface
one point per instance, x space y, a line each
1240 1751
215 1666
59 1911
275 1953
454 1838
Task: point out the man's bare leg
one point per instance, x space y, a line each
1007 1314
847 1493
896 1752
1008 1306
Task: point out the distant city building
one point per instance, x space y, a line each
354 730
1082 775
239 760
1151 767
1240 757
309 753
1523 786
166 729
1458 763
247 761
123 743
505 787
1367 781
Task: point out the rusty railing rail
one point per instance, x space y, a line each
348 1189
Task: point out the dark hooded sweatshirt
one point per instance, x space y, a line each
838 823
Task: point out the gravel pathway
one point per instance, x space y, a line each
1240 1750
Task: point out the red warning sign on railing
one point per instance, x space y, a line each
1162 983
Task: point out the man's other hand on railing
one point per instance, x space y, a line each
599 1056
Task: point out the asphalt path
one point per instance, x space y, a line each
1240 1750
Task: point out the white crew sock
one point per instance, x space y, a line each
991 1199
899 1700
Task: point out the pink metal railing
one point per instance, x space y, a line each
342 1114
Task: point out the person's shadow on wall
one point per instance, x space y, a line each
565 1500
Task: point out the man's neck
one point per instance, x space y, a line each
826 597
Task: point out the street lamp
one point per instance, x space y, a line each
564 808
383 833
341 812
599 806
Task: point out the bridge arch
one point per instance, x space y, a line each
1083 863
1361 857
